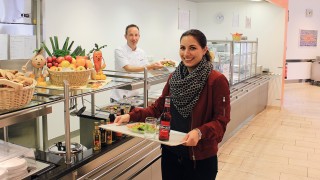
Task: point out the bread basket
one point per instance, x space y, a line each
75 78
14 95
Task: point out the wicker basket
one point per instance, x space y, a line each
75 78
236 37
15 96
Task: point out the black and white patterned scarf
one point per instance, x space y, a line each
186 87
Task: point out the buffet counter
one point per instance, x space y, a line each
59 166
127 157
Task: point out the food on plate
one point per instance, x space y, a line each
141 127
168 63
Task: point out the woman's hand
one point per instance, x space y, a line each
122 119
191 139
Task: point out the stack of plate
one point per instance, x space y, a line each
16 168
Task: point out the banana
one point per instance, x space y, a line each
2 73
12 71
19 74
9 75
27 82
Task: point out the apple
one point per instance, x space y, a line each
54 58
89 64
53 68
81 61
81 68
59 65
49 59
56 64
49 65
68 58
60 59
72 66
65 63
74 61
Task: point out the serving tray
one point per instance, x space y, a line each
175 136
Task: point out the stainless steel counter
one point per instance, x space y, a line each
121 160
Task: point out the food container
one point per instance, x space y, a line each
236 37
60 148
14 95
75 78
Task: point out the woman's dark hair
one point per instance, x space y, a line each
201 39
130 26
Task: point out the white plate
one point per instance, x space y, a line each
175 136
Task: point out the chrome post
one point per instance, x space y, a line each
67 122
93 104
231 62
5 134
145 87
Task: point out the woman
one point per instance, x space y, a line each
200 107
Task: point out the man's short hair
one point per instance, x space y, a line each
130 26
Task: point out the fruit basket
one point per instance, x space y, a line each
14 95
75 78
236 37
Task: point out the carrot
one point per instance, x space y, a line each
97 58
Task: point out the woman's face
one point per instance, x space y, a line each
191 52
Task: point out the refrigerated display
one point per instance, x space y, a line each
237 60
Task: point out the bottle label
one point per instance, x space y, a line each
96 142
164 132
165 123
109 137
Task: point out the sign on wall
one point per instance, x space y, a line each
308 38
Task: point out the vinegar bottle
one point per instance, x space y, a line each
165 118
109 133
103 134
96 137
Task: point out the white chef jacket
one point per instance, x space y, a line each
124 55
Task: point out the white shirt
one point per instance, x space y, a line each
123 56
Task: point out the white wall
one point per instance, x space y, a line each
267 24
298 21
103 22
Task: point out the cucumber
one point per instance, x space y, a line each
69 48
52 44
65 45
46 49
56 42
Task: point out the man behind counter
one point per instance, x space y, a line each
131 58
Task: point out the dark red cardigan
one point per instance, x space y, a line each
211 114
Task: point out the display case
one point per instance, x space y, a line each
237 60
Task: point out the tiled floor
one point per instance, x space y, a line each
277 144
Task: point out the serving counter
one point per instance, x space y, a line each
125 158
57 166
